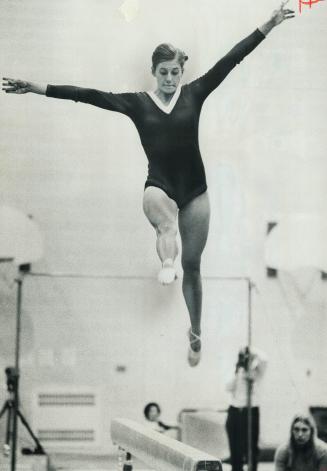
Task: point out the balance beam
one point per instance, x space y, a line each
158 451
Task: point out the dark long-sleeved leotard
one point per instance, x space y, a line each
170 140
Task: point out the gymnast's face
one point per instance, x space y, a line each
153 414
168 75
301 433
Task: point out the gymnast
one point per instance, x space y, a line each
167 121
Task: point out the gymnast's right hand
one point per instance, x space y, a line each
15 86
21 86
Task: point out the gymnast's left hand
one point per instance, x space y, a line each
282 14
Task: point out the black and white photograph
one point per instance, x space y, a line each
163 228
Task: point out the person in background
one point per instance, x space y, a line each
249 371
152 413
303 451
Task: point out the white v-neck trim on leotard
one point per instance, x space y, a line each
170 106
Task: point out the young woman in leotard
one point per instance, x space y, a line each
167 121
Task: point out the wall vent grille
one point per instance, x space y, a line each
68 417
66 435
67 399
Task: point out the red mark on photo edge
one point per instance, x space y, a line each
308 2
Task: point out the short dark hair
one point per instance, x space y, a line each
148 407
167 52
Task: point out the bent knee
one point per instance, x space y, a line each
166 228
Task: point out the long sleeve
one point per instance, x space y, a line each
322 455
204 85
281 459
120 102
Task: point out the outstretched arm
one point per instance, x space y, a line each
120 102
212 79
21 86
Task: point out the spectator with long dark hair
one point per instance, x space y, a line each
303 451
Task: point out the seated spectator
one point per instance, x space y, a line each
304 451
152 413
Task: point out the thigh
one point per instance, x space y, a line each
158 207
194 226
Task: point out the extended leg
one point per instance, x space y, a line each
161 212
194 226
